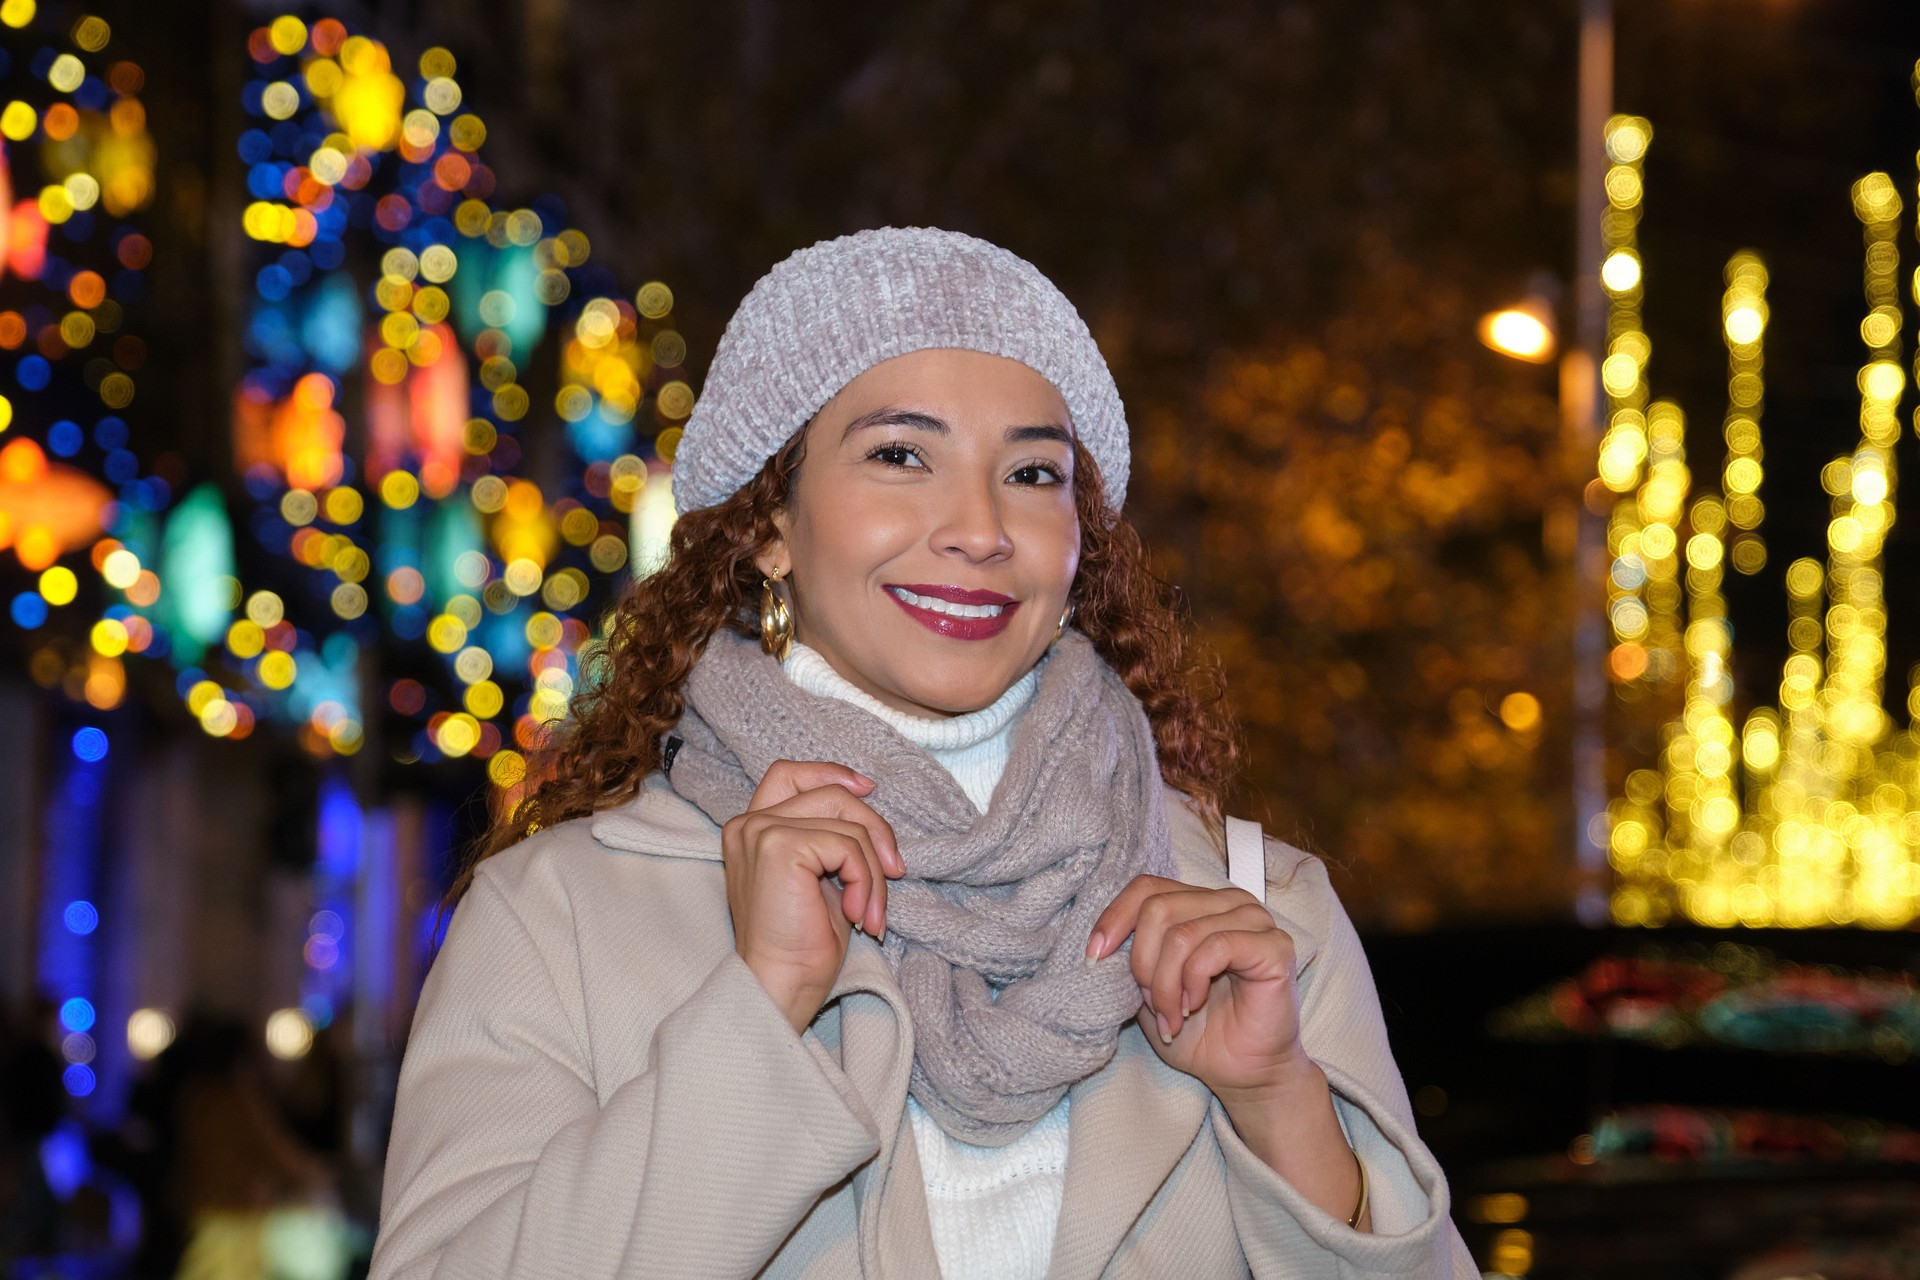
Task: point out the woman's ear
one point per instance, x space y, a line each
774 555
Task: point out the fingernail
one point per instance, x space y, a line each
1166 1033
1184 1011
1094 946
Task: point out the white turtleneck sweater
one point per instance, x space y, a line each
993 1209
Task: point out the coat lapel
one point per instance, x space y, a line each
1128 1126
868 1034
864 1032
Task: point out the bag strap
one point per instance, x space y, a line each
1247 857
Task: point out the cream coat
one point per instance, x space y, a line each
597 1086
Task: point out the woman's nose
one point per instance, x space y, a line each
969 524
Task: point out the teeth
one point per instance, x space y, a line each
947 607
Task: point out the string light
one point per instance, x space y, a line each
1743 324
1626 448
1806 817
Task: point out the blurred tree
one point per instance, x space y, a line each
1361 520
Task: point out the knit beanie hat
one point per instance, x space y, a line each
828 313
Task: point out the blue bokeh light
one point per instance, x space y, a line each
33 373
81 917
28 610
90 744
65 438
78 1079
77 1014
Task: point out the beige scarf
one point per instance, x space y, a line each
997 902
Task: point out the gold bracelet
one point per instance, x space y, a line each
1359 1210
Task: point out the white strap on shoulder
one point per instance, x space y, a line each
1247 857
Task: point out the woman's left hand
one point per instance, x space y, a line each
1216 979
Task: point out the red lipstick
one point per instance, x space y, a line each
947 624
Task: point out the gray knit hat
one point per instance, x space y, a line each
828 313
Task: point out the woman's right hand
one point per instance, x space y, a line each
805 828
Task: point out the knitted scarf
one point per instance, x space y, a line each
997 902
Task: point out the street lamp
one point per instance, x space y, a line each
1524 331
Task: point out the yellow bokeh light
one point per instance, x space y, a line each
109 637
277 670
289 1034
446 634
1869 487
484 699
1883 380
507 768
1745 324
265 608
1627 138
298 507
245 639
149 1032
344 505
1621 270
399 489
458 734
58 585
66 72
280 100
1520 711
349 600
522 576
543 631
287 35
121 569
218 718
473 665
201 694
18 121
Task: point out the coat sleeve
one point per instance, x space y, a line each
504 1163
1342 1029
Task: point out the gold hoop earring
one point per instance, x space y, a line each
1066 616
776 620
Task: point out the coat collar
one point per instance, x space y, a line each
1129 1124
659 821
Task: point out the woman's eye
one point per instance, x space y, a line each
897 455
1039 473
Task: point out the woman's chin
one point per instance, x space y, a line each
960 694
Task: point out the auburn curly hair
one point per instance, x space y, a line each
630 692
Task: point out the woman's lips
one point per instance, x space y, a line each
947 624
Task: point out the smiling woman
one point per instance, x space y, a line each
869 915
935 508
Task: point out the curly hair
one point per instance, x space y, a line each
630 694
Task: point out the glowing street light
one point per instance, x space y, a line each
1523 331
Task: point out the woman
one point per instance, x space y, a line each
871 916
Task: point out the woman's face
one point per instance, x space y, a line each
931 537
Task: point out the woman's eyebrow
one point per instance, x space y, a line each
892 417
897 418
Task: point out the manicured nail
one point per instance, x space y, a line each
1166 1033
1184 1011
1094 946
